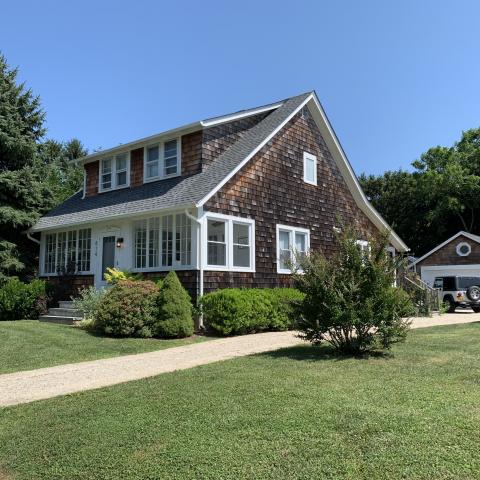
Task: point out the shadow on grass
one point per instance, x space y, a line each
314 353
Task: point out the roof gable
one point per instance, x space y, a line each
471 236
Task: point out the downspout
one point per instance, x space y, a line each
200 261
31 238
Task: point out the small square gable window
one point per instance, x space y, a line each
463 249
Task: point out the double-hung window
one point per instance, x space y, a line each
293 244
309 168
114 172
162 160
230 243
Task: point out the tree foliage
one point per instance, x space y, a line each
439 198
350 300
35 175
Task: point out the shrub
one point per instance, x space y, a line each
174 310
20 300
114 275
350 300
238 311
127 309
88 302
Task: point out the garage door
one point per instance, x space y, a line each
429 273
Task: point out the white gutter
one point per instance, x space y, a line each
200 261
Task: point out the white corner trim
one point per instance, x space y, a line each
474 238
251 154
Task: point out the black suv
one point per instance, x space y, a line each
459 292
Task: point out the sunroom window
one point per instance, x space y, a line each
163 241
292 246
162 160
67 251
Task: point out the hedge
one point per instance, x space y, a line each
234 311
20 300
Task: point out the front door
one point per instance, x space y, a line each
108 254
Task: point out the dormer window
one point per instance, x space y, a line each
114 172
162 160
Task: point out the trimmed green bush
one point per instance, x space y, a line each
20 300
234 311
127 309
174 310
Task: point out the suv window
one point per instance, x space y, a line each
449 283
438 283
466 282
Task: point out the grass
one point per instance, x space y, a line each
30 344
298 413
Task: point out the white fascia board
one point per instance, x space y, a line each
348 174
211 122
474 238
192 127
251 154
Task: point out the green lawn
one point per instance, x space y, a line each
29 344
294 414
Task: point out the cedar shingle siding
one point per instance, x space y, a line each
271 190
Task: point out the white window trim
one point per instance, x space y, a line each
292 231
175 265
43 251
309 156
113 173
161 160
462 244
230 220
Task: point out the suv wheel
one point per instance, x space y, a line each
473 293
449 305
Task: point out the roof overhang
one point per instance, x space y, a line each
176 132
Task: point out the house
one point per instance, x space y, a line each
225 202
458 255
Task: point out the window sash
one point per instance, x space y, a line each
114 172
166 161
309 168
293 244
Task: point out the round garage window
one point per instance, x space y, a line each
464 249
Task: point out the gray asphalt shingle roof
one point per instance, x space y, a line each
171 193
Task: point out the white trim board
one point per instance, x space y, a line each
474 238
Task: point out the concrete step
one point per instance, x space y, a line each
65 312
65 304
58 319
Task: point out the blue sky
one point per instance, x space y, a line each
395 77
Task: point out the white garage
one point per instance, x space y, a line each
429 273
458 255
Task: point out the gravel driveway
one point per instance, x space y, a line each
28 386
